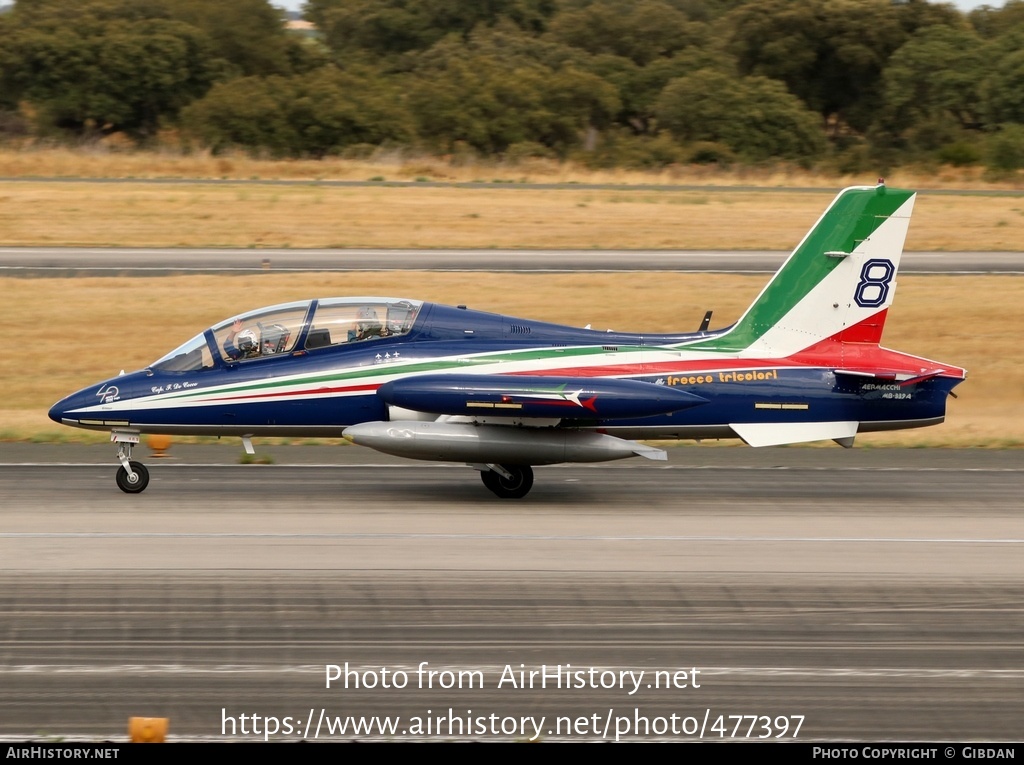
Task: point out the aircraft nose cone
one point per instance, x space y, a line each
64 410
57 410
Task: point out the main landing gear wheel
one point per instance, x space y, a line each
134 482
516 485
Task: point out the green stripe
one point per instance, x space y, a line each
386 369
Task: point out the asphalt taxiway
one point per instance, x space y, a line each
134 261
877 594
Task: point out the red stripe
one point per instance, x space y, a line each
867 331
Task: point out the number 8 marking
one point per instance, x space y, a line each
873 287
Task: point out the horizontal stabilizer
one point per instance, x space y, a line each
779 433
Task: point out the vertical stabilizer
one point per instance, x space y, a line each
839 280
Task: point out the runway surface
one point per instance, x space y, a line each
872 595
98 261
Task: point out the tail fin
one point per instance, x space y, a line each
840 280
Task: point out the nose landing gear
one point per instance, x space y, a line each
132 477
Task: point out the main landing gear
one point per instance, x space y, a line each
508 481
132 477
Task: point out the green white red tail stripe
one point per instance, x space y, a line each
840 276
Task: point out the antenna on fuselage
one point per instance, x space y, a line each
707 322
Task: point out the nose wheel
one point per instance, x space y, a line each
132 477
508 481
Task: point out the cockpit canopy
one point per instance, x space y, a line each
301 326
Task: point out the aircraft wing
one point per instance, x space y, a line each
475 415
518 396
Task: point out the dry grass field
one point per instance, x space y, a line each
67 333
127 214
111 161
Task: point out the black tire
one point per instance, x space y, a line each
516 487
125 484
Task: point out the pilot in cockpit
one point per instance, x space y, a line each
241 344
367 324
248 344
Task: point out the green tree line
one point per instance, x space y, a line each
641 83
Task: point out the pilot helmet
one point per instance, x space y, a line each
246 341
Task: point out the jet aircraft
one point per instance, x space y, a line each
502 394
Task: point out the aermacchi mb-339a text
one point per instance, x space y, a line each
502 394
